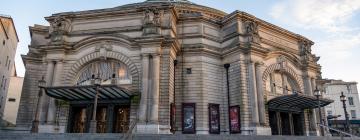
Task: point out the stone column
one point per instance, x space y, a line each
260 93
253 93
56 82
312 115
45 98
154 105
144 92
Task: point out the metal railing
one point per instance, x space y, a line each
342 133
128 135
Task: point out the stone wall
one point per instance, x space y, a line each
23 136
29 95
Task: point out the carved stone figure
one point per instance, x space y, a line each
152 21
59 27
251 30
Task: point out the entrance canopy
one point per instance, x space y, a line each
296 102
86 93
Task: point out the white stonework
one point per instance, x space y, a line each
148 40
8 45
333 89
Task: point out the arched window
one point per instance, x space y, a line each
279 83
107 71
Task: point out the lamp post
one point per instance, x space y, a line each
93 122
317 93
35 123
343 99
227 66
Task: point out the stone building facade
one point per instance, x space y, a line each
8 45
335 111
187 66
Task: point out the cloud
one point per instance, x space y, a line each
338 48
329 15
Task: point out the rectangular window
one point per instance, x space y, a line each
2 81
9 64
188 118
235 119
4 84
12 100
6 62
329 113
214 119
351 100
353 114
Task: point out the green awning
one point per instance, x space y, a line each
86 93
296 102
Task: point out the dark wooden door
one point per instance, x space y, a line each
79 119
121 119
298 124
285 124
273 123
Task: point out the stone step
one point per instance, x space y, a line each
87 136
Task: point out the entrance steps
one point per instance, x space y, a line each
87 136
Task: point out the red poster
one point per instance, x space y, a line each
235 119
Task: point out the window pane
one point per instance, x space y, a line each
353 114
351 101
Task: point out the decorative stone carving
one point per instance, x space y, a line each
59 26
251 30
152 21
305 52
282 61
103 49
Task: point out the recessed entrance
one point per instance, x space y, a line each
121 119
285 123
110 119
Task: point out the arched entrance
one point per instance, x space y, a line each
283 121
286 101
108 79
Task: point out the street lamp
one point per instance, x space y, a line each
317 94
343 99
35 124
93 122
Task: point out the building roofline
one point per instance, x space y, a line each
12 22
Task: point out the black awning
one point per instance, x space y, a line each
296 102
86 93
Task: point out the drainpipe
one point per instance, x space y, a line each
228 93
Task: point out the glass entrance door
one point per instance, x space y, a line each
121 119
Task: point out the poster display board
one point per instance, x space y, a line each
214 119
188 118
235 119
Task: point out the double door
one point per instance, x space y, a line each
110 119
285 123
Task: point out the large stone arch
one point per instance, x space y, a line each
79 64
288 70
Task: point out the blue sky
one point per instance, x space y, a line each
334 25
